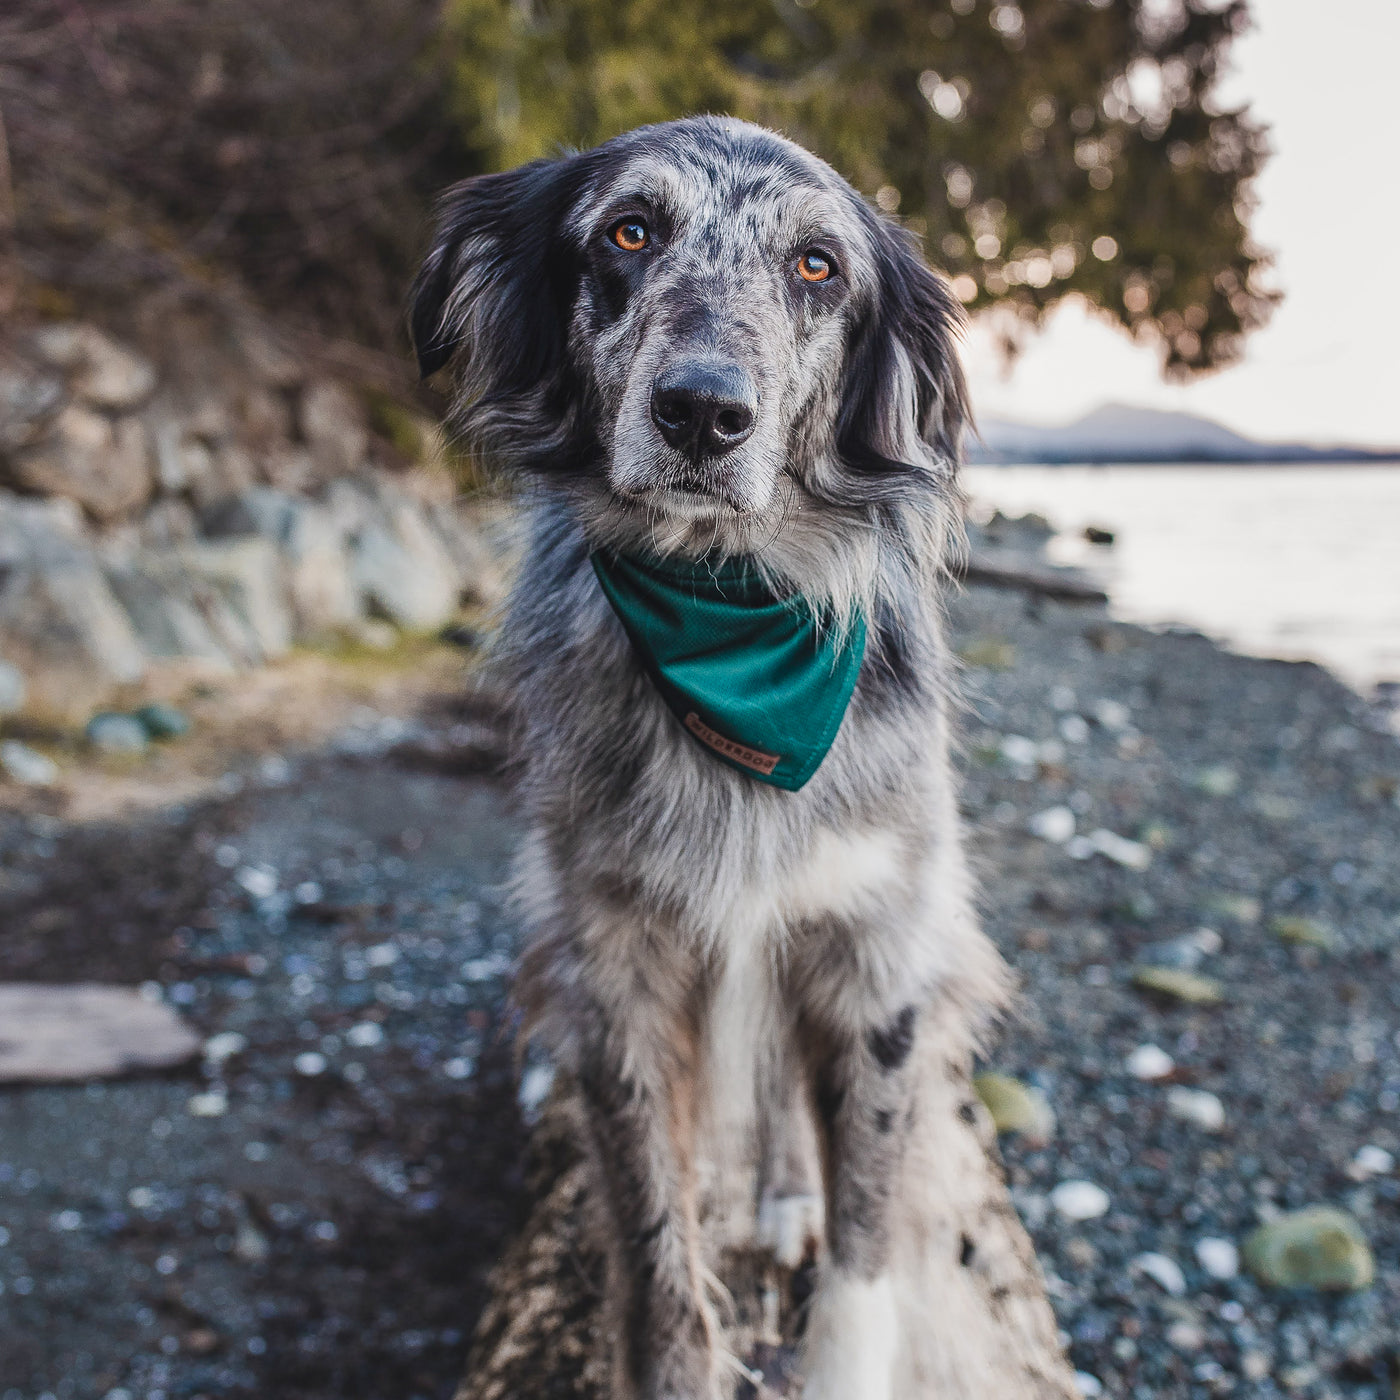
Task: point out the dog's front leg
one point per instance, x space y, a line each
638 1077
863 1094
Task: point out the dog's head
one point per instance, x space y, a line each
701 320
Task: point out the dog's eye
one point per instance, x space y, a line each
813 266
631 234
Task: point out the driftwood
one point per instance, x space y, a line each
978 1312
1005 568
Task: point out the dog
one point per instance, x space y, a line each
733 388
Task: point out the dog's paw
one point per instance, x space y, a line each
790 1227
849 1350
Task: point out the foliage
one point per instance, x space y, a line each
294 143
1043 147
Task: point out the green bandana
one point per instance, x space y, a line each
761 681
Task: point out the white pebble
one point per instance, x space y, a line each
1163 1271
210 1105
535 1085
1114 717
1090 1387
67 1220
1196 1106
1186 1336
1219 1258
382 955
1080 1200
1120 850
1150 1062
310 1062
365 1034
224 1046
259 880
1020 751
1373 1161
1208 941
1062 698
1054 824
1074 729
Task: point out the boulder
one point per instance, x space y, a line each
59 620
247 575
29 398
103 374
402 569
324 597
12 689
333 423
176 617
102 465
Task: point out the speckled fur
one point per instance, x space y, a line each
725 966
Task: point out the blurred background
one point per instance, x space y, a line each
260 1132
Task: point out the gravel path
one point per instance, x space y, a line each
310 1212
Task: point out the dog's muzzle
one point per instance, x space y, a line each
704 408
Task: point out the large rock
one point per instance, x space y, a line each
333 423
103 465
59 621
402 569
324 598
29 398
247 575
102 373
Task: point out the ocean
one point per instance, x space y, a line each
1295 562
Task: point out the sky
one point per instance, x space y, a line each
1321 75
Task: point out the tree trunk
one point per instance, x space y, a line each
976 1322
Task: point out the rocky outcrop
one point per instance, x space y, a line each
210 504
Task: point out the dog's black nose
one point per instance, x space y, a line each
704 408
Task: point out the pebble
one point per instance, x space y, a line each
1150 1062
1054 824
1119 849
161 721
1090 1387
210 1105
109 732
310 1063
365 1034
1219 1258
1304 933
1318 1247
1186 952
1163 1271
1219 780
1196 1106
260 881
535 1085
1016 1107
1113 716
1179 985
1074 729
1372 1161
27 766
1080 1200
224 1046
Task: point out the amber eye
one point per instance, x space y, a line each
813 266
632 235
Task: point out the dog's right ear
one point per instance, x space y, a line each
496 281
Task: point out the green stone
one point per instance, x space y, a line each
1179 985
162 721
991 653
1320 1247
1016 1107
1306 933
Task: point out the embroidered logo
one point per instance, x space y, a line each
756 759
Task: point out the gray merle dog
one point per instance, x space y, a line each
735 387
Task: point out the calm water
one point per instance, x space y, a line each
1295 562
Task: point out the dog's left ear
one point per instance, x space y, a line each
905 405
495 280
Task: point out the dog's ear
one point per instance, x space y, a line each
905 404
496 279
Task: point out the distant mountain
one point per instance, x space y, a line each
1120 433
